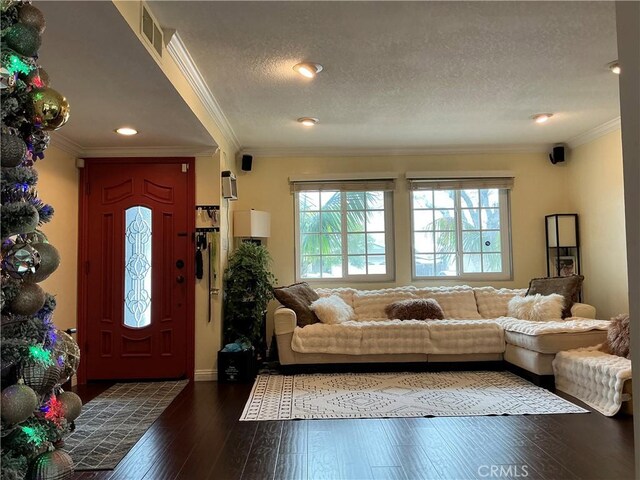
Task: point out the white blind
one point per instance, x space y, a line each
376 185
460 183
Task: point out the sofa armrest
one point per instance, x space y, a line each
284 321
583 310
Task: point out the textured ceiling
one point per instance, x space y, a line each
110 80
402 74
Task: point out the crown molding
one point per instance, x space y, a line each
61 142
179 53
594 133
379 152
148 152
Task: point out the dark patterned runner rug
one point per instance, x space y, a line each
114 421
405 394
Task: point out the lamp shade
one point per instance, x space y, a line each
251 224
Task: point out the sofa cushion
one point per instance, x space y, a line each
370 304
539 308
457 302
553 343
568 287
492 302
332 309
298 297
414 309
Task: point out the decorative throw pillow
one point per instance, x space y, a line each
539 308
568 287
298 297
414 309
618 342
332 309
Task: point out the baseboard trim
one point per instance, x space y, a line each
205 376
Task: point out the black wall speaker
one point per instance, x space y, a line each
557 154
247 160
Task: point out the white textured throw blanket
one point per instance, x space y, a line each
594 377
570 325
396 336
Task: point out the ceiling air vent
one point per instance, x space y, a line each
151 30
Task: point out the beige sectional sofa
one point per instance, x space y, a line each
476 328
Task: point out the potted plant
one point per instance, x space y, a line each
248 289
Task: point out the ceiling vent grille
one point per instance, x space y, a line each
151 31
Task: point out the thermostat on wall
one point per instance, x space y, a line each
229 186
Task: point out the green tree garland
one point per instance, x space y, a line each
29 109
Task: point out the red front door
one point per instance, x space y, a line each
138 281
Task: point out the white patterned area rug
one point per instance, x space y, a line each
114 421
406 394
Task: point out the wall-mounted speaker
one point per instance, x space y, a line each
247 161
557 154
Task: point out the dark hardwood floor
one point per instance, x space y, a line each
199 437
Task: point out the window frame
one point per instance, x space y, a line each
389 233
505 238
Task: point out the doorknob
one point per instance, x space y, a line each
180 279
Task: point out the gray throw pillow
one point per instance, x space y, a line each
568 287
414 309
298 297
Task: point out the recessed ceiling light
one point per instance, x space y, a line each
615 67
126 131
542 117
308 121
307 69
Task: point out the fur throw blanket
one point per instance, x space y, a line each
618 341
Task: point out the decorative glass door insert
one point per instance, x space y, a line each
137 259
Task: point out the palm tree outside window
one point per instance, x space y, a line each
461 232
344 234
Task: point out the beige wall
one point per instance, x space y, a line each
58 186
590 183
539 190
595 191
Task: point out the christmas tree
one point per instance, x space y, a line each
36 358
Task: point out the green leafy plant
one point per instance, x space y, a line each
248 289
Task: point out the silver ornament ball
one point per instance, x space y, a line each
18 403
55 465
71 405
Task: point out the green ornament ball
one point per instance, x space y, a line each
32 16
23 39
30 299
49 262
18 403
55 465
42 378
71 405
13 151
